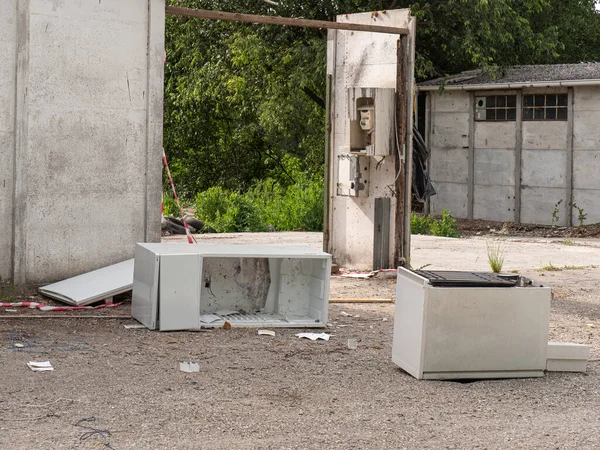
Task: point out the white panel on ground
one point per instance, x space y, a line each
93 286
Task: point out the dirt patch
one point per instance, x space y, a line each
470 227
263 392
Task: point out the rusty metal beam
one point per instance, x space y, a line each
277 20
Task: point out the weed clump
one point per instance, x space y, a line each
445 226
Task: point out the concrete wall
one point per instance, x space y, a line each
586 152
521 170
85 180
8 56
448 141
361 59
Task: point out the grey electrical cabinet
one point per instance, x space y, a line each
191 286
372 114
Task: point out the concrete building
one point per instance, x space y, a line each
523 146
81 89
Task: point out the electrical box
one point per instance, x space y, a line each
353 174
372 114
480 108
190 286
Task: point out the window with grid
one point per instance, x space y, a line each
545 107
498 108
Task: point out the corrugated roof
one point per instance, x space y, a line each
522 74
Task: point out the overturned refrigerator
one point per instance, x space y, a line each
191 286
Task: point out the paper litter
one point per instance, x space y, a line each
189 367
40 366
314 336
134 326
266 332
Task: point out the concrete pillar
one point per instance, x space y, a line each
86 142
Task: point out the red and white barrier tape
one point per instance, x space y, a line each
41 307
191 238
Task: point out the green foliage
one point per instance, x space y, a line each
171 208
227 212
555 211
268 205
581 215
420 224
445 226
495 254
241 98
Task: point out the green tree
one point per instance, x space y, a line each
240 98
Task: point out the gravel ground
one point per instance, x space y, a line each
262 392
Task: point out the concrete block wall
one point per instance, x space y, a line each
586 152
522 162
494 171
544 172
83 139
449 145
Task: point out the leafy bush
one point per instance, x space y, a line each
446 226
228 212
298 206
170 205
420 224
281 205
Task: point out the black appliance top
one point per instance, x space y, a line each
449 278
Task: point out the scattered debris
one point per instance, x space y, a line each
591 325
40 366
42 307
227 326
335 269
189 367
345 314
361 300
134 326
352 344
266 332
104 434
363 276
10 310
314 336
38 344
209 318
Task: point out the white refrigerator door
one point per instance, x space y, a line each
180 277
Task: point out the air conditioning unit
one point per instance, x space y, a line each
192 286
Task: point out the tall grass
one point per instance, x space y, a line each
495 254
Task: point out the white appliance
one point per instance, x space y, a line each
454 331
180 286
567 357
